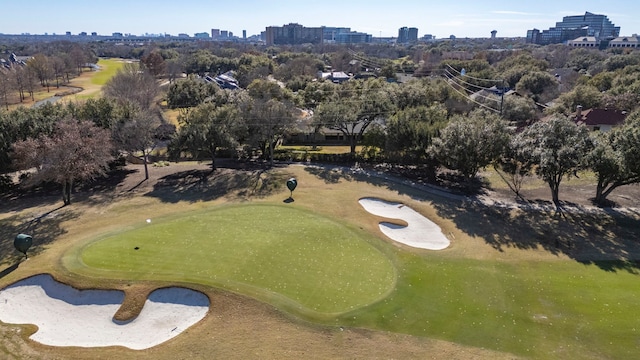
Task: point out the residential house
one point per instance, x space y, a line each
599 119
334 76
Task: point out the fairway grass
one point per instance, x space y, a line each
537 309
92 81
277 253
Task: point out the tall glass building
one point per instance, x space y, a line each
575 26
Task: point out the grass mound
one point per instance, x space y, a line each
278 253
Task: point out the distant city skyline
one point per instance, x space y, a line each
378 18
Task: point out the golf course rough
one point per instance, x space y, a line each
284 255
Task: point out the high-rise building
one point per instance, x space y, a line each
571 27
407 35
215 33
293 34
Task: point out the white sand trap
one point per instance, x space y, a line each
420 232
69 317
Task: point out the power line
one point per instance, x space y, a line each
457 80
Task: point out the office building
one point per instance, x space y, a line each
572 27
293 34
407 35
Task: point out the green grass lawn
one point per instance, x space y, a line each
539 309
320 149
108 68
288 256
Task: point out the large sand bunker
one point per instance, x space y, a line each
420 232
69 317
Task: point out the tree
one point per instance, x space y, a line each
468 144
191 92
132 84
519 109
58 67
354 106
583 95
138 135
18 79
557 148
101 111
615 159
410 131
513 166
206 129
75 151
41 68
536 83
78 58
199 62
267 122
174 68
5 89
153 63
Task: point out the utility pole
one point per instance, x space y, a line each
502 96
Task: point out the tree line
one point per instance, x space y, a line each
429 122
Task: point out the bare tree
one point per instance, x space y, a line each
58 67
19 79
75 151
138 135
132 84
5 89
77 58
40 66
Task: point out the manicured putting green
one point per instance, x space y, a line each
276 252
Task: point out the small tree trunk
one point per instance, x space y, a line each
271 153
352 144
66 192
146 167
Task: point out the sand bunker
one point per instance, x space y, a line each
420 231
69 317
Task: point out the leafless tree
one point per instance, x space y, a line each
138 135
132 84
6 87
19 80
58 67
78 58
40 66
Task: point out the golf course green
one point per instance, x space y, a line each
278 253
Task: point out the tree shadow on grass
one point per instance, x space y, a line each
101 189
43 227
95 191
607 238
205 185
330 175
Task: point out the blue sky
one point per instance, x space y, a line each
461 18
